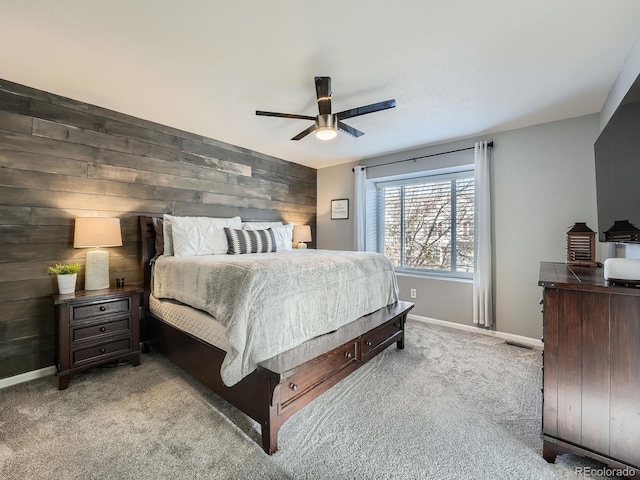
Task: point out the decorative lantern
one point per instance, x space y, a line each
622 231
581 246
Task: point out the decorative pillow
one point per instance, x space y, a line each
216 245
157 226
284 236
250 241
283 233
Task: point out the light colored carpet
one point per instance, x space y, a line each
451 405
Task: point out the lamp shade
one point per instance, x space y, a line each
301 233
97 232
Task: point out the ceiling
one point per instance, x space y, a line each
456 68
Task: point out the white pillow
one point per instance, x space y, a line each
259 225
282 233
208 235
194 237
284 236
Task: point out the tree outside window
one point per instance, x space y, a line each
427 224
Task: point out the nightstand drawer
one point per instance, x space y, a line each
98 309
92 332
89 354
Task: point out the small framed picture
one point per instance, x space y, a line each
340 209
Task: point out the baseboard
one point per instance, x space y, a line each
25 377
43 372
532 342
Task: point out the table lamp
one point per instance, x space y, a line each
301 234
97 232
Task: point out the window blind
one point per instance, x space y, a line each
426 223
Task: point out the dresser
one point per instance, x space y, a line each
591 363
96 327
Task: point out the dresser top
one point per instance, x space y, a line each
574 277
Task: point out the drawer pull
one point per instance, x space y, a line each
368 343
103 308
293 387
348 354
102 350
397 324
103 329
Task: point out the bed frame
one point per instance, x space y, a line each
281 385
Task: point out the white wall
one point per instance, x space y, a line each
543 180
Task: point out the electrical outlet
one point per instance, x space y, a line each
413 293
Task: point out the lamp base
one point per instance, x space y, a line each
302 245
97 270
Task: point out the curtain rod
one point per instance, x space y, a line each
490 145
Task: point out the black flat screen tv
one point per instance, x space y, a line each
617 153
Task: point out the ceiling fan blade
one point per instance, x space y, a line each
305 132
323 92
344 128
284 115
374 107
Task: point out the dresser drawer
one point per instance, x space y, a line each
94 332
102 351
81 312
381 335
302 382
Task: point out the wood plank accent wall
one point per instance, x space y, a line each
61 159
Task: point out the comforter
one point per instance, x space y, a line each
272 302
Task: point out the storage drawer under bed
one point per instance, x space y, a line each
381 336
302 382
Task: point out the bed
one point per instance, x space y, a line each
271 389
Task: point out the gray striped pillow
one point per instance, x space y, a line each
250 241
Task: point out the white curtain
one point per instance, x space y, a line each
359 207
482 292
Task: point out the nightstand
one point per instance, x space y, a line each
96 327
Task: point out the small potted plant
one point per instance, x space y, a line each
66 274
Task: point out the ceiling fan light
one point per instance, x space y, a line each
326 133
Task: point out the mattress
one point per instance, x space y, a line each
190 320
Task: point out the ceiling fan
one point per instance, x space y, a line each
326 123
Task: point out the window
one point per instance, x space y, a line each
425 224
